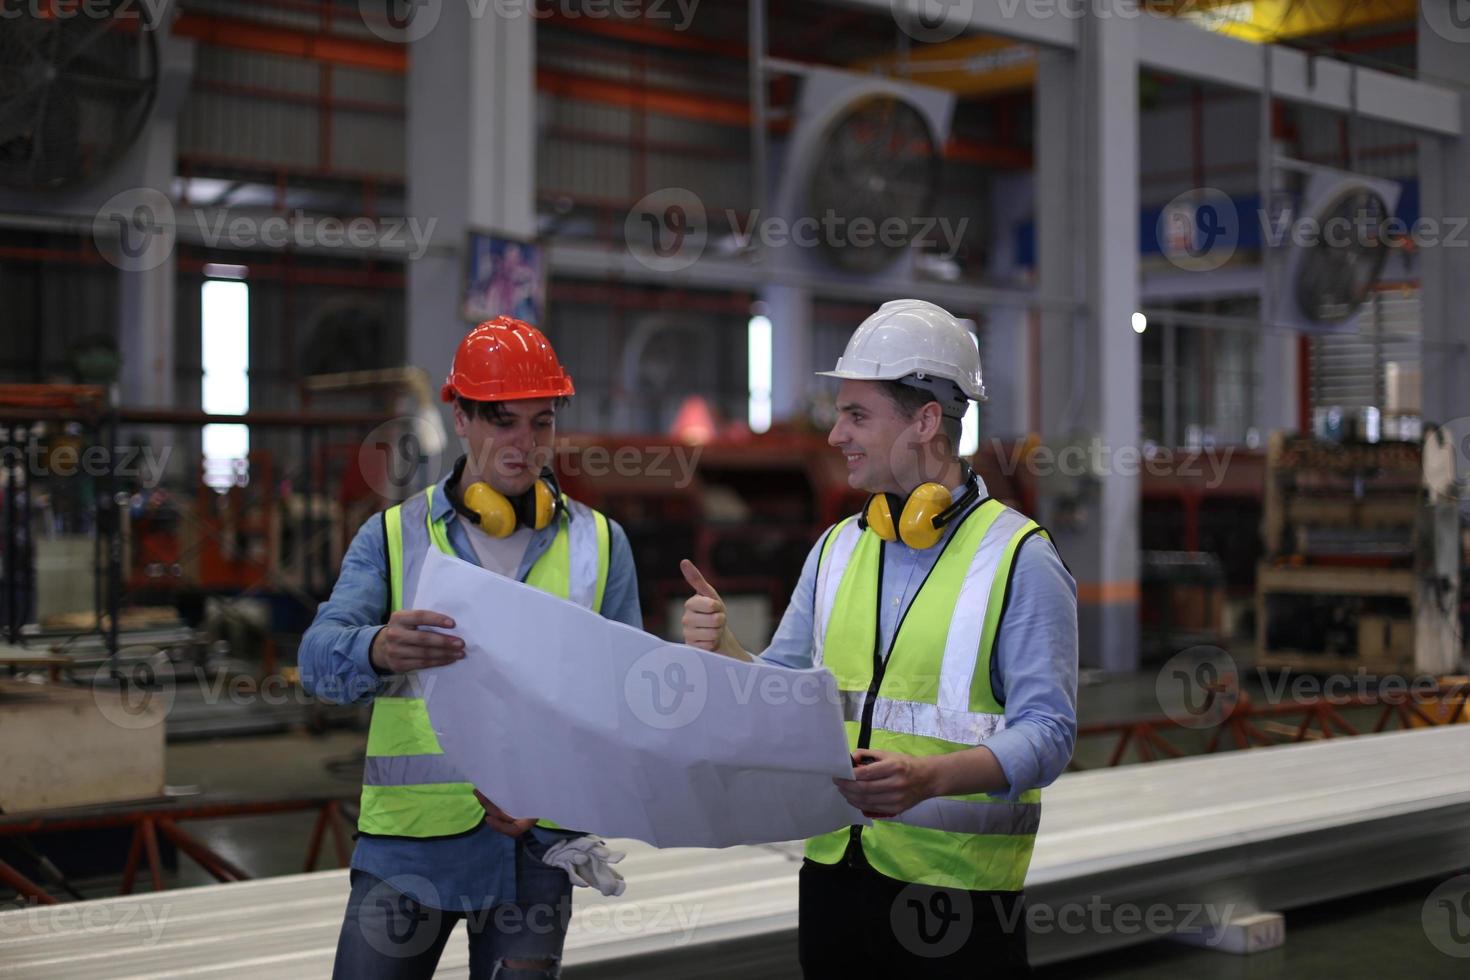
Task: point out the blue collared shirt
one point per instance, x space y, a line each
1033 669
477 870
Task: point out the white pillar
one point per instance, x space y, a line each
1444 195
1087 228
471 162
790 312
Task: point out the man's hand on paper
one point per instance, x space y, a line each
401 646
705 623
887 783
499 820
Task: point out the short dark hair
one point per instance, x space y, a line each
495 411
909 399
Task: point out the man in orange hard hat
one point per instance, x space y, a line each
431 849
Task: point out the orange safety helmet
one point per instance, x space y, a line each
504 359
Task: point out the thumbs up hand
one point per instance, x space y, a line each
705 623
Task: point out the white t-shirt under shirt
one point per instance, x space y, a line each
501 555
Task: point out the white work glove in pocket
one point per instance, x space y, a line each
588 863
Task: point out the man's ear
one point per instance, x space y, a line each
461 421
931 420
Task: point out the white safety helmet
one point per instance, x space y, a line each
917 342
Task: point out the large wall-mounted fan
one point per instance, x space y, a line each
878 160
1330 272
75 92
861 147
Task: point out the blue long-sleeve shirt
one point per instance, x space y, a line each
1033 668
476 870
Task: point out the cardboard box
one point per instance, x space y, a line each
63 747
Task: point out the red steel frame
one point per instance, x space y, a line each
1248 725
150 820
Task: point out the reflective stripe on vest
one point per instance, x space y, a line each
409 788
935 696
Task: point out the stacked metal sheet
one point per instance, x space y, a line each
1124 855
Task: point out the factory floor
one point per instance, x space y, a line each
1374 936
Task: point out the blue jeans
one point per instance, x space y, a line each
386 935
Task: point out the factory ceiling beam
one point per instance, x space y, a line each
254 35
1178 47
595 261
1297 76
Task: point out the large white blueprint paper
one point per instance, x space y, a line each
558 713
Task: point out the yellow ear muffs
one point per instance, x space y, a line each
497 514
500 516
545 505
917 527
878 515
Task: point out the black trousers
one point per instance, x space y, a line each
855 922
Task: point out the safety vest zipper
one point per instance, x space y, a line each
880 666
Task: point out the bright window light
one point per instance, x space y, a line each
225 346
970 430
970 424
758 359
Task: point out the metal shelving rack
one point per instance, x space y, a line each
1372 529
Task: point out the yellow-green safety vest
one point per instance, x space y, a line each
409 789
933 696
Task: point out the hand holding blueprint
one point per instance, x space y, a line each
558 713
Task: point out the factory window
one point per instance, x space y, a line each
758 373
225 345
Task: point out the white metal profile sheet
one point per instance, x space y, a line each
1269 828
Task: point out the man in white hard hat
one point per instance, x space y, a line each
950 623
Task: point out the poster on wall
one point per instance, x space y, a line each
503 275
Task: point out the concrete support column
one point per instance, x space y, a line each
145 328
1276 382
1444 193
145 296
1087 227
471 162
790 311
1006 334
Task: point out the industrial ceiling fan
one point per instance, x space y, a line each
76 87
878 160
